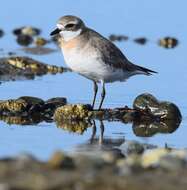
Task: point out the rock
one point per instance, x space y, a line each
161 110
39 41
27 30
168 42
71 112
33 66
60 161
24 40
54 103
141 41
13 106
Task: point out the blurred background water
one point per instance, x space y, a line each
134 18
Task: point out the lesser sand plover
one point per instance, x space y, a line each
92 55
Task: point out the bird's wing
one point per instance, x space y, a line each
110 53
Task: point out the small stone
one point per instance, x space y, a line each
24 40
27 30
31 31
39 41
141 41
168 42
60 161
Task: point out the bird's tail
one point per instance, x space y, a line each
145 70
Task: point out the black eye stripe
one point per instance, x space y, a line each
69 25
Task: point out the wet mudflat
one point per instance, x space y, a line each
44 107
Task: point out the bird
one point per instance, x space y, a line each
93 56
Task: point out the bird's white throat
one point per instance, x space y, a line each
68 35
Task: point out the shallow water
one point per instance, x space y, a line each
133 18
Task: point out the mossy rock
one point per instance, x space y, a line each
20 105
13 106
72 112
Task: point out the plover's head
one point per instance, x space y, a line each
69 27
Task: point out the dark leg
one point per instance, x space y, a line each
95 93
103 93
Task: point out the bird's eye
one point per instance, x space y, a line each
70 25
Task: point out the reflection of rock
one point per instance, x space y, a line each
148 129
113 37
38 50
23 120
16 67
78 127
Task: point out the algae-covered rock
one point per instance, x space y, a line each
33 66
20 105
72 112
160 109
13 106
